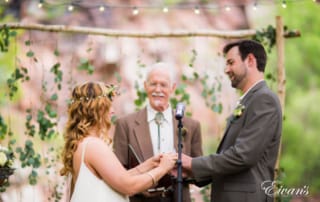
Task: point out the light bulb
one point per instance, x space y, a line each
165 9
197 11
70 8
254 6
101 8
135 11
284 5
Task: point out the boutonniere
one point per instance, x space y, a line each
184 132
237 112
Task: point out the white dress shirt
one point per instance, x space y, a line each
166 131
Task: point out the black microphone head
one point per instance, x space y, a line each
180 110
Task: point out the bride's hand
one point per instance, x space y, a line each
155 160
168 160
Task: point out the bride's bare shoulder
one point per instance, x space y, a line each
96 144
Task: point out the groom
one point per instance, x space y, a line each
247 154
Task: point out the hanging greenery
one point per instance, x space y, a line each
41 123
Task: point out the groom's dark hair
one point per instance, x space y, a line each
249 46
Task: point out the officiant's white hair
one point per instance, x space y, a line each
167 67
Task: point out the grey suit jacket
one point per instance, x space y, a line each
134 129
248 151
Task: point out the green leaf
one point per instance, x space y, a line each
30 54
28 143
184 77
28 117
54 97
13 33
56 52
118 77
27 43
85 65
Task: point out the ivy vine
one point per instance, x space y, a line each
3 128
42 123
12 83
5 34
266 36
29 158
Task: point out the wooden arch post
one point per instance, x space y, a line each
281 81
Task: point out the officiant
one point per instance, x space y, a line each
153 130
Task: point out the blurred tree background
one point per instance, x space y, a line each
300 155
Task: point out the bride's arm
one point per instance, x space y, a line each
101 158
146 165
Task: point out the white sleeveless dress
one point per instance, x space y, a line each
89 187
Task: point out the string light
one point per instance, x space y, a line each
255 6
227 8
165 9
284 4
101 8
40 4
70 8
196 10
135 11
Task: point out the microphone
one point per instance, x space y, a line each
179 110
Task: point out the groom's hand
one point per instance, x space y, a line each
186 162
186 165
185 173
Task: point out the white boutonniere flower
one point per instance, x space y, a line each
238 111
6 157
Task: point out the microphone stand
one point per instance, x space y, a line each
179 162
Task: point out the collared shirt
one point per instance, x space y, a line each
256 83
166 131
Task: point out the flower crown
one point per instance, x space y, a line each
6 157
108 90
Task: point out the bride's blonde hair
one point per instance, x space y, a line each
88 112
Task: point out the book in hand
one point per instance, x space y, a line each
134 160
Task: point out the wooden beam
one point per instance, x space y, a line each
132 34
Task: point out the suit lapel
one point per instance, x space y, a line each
244 102
144 142
225 133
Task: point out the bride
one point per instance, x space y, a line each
96 173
